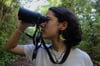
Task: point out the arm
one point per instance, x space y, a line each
12 43
88 60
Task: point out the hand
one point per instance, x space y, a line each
23 25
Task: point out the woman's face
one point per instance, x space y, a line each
50 29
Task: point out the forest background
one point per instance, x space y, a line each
88 12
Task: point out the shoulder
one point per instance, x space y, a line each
81 52
29 47
28 50
83 56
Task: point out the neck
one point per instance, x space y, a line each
58 45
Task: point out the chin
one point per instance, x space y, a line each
44 36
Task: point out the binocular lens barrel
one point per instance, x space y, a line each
30 16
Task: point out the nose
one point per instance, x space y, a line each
43 24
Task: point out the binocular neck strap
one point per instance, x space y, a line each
36 39
66 54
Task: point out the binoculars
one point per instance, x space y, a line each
31 17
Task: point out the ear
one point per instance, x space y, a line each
63 25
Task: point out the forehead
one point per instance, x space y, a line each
49 13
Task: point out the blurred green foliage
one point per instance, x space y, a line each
88 12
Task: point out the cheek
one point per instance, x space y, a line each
51 31
51 28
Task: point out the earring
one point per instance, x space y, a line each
61 37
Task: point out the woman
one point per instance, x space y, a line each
63 30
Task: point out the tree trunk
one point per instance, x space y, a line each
1 10
1 15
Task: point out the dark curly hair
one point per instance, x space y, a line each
73 32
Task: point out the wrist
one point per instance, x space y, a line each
21 28
20 31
